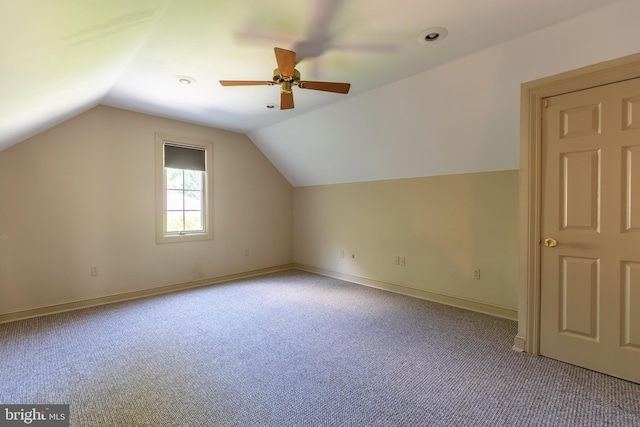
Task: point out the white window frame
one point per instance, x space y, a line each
162 236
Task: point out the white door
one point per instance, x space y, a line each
590 280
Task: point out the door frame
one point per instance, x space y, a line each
532 95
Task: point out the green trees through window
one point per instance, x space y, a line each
184 200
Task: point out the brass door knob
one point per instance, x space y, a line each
550 242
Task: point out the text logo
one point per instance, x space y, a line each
34 415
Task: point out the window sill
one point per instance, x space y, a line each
183 237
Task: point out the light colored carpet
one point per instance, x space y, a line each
297 349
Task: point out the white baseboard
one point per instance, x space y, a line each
481 307
75 305
467 304
519 344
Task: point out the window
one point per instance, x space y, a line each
184 179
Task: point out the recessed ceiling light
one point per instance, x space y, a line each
185 80
431 35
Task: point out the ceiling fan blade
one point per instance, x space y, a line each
286 101
286 60
326 86
244 82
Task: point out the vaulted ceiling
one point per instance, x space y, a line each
408 97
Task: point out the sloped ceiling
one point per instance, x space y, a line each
459 117
64 57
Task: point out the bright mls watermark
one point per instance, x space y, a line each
34 415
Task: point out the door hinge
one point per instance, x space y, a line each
545 103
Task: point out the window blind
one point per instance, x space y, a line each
181 157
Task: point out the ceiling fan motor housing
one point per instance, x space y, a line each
286 82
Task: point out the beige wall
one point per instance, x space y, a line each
82 194
443 226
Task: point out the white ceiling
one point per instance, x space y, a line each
64 57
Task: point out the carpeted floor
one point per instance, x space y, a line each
297 349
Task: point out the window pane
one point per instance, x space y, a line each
193 200
174 178
192 180
193 220
175 200
175 221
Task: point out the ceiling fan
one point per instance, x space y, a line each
287 76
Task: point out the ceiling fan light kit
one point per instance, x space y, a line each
284 81
286 76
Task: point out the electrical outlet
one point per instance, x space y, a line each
403 261
476 274
246 252
95 271
341 253
396 260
